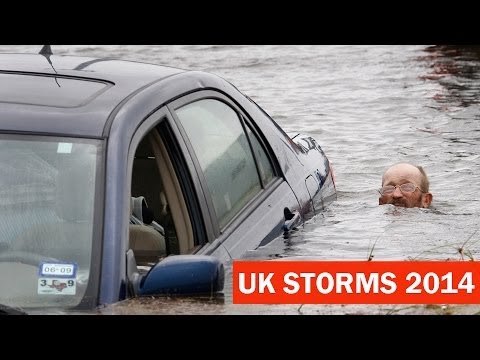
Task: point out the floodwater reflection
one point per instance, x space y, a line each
456 69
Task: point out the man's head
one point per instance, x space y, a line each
396 191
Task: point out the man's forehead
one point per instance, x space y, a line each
402 172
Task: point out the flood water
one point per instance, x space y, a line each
369 107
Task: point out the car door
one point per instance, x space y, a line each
243 188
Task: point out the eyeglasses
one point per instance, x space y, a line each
404 188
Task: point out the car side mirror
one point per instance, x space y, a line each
182 275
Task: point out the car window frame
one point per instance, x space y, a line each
245 120
162 122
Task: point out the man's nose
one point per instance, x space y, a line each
397 192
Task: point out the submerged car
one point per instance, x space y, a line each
122 179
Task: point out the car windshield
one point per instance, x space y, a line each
47 192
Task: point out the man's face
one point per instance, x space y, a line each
402 174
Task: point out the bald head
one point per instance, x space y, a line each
404 173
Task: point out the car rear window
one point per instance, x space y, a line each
49 90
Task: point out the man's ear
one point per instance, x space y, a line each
427 200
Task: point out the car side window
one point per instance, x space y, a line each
264 165
161 225
150 219
224 152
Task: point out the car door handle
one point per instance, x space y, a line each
292 219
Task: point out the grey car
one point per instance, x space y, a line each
122 179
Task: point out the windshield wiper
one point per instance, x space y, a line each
10 310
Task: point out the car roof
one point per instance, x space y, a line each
75 96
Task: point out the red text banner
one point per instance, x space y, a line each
356 282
